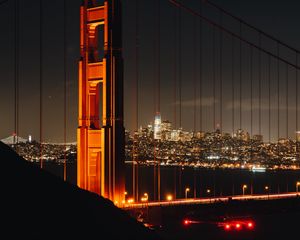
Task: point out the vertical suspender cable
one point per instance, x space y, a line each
194 74
233 98
269 85
297 133
158 88
200 81
259 88
137 94
41 83
214 79
200 73
65 91
180 67
16 93
221 77
287 101
195 90
175 93
232 85
135 165
278 99
251 99
251 119
240 76
240 93
155 111
180 87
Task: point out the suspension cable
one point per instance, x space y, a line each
175 69
259 88
65 91
251 26
200 73
214 79
251 99
195 93
191 11
278 97
297 133
269 94
232 85
41 83
221 78
135 100
175 92
240 95
158 89
180 67
180 86
194 74
287 101
16 93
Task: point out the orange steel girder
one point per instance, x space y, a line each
100 143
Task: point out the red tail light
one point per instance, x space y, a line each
227 227
186 222
237 226
250 225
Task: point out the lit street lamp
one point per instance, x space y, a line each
208 192
244 187
297 186
186 192
145 197
169 197
267 190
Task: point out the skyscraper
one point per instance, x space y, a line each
157 126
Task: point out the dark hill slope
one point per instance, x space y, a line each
38 205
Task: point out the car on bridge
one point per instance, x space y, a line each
228 223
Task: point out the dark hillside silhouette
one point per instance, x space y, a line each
38 205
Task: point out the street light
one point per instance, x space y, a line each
267 190
244 187
145 197
186 192
169 197
208 192
297 185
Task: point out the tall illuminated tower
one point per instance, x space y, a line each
100 135
157 126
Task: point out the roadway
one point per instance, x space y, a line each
209 200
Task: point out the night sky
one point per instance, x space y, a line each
279 19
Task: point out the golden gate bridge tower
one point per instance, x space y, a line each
100 140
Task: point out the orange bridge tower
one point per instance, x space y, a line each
100 135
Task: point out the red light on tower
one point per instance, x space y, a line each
237 226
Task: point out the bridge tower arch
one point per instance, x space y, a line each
100 141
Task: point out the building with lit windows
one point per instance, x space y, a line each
157 127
